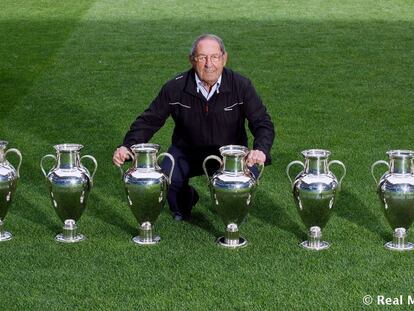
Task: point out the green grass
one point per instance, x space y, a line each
334 74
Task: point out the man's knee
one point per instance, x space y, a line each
181 169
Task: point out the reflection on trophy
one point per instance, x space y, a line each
315 190
69 186
231 189
146 189
8 183
396 193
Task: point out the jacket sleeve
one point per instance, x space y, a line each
150 121
259 121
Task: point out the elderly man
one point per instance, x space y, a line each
209 105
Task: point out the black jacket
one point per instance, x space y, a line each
202 124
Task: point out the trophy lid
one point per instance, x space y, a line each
398 153
316 153
147 148
68 147
234 150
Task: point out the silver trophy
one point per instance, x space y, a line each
8 183
231 189
69 185
315 190
146 189
396 193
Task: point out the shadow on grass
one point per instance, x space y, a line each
33 196
203 213
351 208
30 46
276 215
263 208
272 212
33 213
200 220
107 211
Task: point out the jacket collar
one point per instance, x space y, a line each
191 86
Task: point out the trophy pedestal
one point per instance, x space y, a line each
315 247
314 240
69 234
73 239
399 243
4 235
143 241
241 242
232 238
146 236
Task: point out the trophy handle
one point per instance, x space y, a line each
20 159
343 166
132 158
209 158
290 165
41 162
261 171
261 168
166 154
94 162
374 165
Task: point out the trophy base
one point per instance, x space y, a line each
5 236
74 239
318 247
241 243
142 241
400 248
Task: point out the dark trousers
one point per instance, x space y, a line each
188 163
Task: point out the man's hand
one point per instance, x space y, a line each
120 155
255 157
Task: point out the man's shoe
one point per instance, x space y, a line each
186 215
178 217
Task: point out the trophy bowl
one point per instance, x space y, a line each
232 188
396 193
315 190
69 184
146 189
8 184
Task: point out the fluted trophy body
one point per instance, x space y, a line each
396 193
69 183
8 184
315 190
232 188
146 189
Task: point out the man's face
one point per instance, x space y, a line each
209 61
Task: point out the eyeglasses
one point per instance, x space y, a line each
203 58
